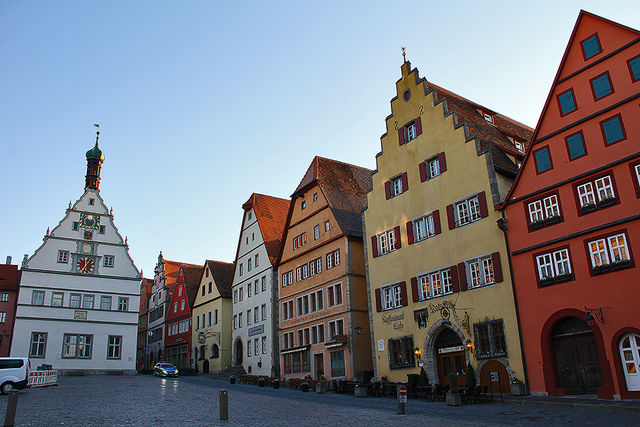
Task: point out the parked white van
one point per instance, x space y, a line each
14 373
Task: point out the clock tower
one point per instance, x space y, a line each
79 292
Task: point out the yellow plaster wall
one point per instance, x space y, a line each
466 174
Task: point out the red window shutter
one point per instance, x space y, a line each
405 182
482 201
378 301
462 276
497 266
418 123
450 217
401 136
396 231
455 283
403 294
422 167
374 246
387 190
414 288
436 222
410 232
443 162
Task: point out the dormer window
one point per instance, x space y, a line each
488 117
519 145
303 205
92 202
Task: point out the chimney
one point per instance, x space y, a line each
8 260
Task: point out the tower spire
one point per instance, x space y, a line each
94 164
404 54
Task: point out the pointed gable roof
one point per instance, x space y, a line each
222 273
271 213
191 275
624 37
345 187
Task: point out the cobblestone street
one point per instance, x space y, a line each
146 400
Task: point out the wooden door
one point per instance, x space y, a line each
318 363
451 362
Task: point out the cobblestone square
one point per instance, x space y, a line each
147 400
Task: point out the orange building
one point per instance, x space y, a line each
324 320
573 222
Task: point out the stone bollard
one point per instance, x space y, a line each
224 404
12 404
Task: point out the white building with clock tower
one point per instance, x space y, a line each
79 292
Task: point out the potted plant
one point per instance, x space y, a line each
423 377
275 383
517 387
471 377
232 379
321 385
361 388
453 396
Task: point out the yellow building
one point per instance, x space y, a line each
438 272
211 318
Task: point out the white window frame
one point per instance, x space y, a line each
88 301
433 167
411 132
316 232
256 258
336 327
618 248
123 303
480 272
423 227
467 211
103 302
391 296
79 348
386 241
434 284
553 264
263 311
551 206
57 299
109 261
598 253
536 211
63 257
586 195
604 188
75 300
334 294
327 224
396 186
114 347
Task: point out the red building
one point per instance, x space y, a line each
143 316
178 331
573 221
9 280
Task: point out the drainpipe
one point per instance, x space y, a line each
502 225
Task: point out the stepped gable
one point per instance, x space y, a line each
191 274
222 273
345 187
271 213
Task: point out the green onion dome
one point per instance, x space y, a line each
95 154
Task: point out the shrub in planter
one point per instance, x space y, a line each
453 396
471 377
261 382
304 387
517 388
321 385
423 377
275 383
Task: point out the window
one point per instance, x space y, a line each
612 130
101 229
337 364
210 287
634 68
241 269
391 297
114 346
336 328
609 251
315 197
287 340
56 299
256 315
316 232
235 295
108 260
249 290
92 202
264 283
424 227
595 194
209 318
179 291
74 300
396 185
601 86
490 339
256 287
590 47
433 167
3 316
4 296
553 267
287 310
264 345
488 118
256 346
249 264
334 295
305 271
77 346
63 256
202 290
249 348
401 353
235 321
575 145
519 145
241 294
75 225
567 102
543 160
255 260
263 311
105 303
300 241
386 241
38 345
37 298
123 303
215 316
240 320
480 272
327 225
248 316
467 211
544 211
303 204
434 284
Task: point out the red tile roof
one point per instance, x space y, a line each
9 276
345 187
222 273
191 275
271 213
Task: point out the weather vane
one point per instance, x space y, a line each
404 54
97 125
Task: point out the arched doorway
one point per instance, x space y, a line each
450 356
630 354
576 355
503 377
205 366
238 353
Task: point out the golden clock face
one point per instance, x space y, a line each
90 221
86 248
84 265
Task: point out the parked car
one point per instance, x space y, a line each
14 373
165 369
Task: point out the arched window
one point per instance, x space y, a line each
629 348
215 352
201 352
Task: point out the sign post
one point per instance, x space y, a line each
402 399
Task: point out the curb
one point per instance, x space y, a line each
613 407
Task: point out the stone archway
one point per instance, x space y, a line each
429 352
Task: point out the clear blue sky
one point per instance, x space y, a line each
202 103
